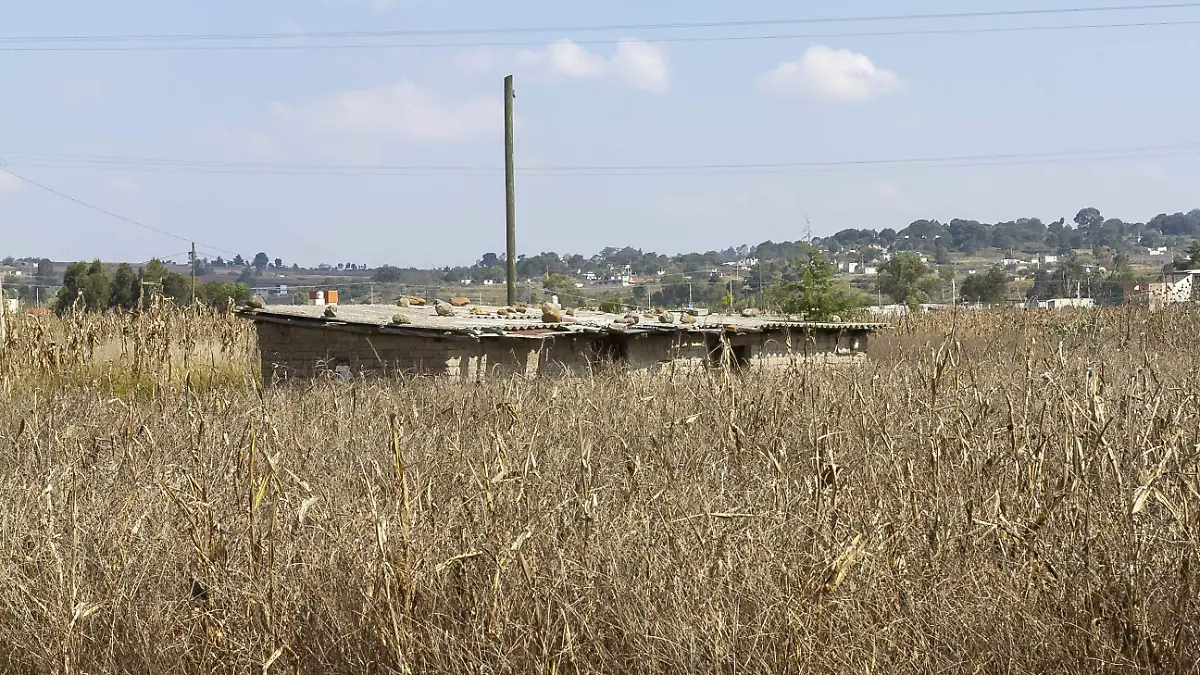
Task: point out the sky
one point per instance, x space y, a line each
246 140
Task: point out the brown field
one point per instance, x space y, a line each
1001 492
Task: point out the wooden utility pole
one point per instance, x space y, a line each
3 311
510 188
193 274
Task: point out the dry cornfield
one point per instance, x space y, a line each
992 492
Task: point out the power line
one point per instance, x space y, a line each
721 38
154 37
112 163
104 211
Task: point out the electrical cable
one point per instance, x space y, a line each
598 28
114 163
108 213
722 38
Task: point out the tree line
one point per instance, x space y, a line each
1089 229
89 288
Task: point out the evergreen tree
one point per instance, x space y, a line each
808 288
124 288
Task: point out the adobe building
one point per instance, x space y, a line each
303 342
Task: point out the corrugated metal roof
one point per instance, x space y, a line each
487 322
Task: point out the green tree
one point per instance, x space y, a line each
387 274
219 295
989 288
1193 254
261 261
124 288
87 284
1088 218
98 287
45 271
74 277
562 285
1121 271
612 305
902 278
808 288
177 287
154 272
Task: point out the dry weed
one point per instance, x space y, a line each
1016 492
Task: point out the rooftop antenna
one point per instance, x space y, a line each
807 230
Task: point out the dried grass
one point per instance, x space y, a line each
1018 497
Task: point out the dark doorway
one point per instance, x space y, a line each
738 355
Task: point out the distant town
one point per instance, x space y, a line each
1088 260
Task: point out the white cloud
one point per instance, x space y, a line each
563 57
636 64
832 75
642 66
81 92
395 111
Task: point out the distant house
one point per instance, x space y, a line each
1064 303
489 282
1047 259
1175 288
870 271
466 282
1158 251
748 262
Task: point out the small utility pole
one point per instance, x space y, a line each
510 188
3 310
193 274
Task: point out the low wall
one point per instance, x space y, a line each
291 352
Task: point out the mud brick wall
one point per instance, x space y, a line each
292 352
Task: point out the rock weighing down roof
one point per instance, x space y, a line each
486 321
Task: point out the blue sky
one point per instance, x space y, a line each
632 101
